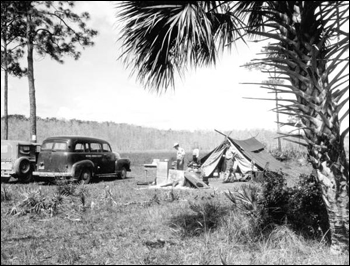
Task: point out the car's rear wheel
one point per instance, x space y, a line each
85 176
27 178
22 166
23 170
123 173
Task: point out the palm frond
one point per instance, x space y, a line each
162 39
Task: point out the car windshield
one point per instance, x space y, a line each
47 146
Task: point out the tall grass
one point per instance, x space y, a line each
119 222
123 224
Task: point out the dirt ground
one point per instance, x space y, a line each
292 172
216 183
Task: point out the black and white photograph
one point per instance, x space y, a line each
175 132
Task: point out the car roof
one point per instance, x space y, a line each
22 142
75 137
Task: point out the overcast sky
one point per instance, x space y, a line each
98 87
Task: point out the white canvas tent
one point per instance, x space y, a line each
251 156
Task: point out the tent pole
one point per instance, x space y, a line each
221 133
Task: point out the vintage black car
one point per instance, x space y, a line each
18 159
79 158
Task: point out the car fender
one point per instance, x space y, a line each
119 164
17 168
79 166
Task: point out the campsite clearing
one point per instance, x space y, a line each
123 224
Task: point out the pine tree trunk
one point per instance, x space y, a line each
6 63
32 100
6 118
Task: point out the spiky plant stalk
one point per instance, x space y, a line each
308 60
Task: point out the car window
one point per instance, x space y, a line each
60 146
47 146
95 147
106 147
79 147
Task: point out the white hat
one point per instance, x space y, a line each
176 144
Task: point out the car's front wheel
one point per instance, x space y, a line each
123 173
85 176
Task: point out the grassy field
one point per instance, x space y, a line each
119 222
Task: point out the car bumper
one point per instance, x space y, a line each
51 176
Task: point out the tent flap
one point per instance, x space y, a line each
209 165
251 144
255 151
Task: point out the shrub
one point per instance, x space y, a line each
288 154
301 206
205 216
208 214
5 194
306 207
243 225
275 198
67 198
34 202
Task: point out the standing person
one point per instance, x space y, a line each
195 154
180 157
230 164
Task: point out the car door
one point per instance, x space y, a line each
80 152
52 157
95 155
108 159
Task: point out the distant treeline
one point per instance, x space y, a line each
128 138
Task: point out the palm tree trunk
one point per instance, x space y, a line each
333 174
318 108
326 153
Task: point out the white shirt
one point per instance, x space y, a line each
180 154
230 153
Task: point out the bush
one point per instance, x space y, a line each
275 198
301 207
5 194
288 154
68 198
205 216
307 210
